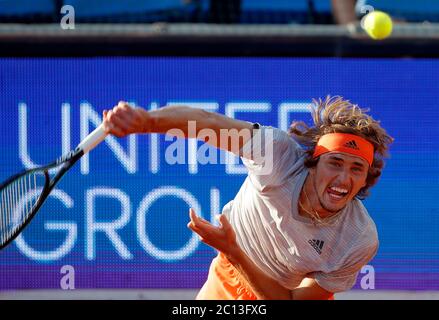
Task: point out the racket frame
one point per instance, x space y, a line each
66 162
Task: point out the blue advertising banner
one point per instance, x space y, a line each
119 217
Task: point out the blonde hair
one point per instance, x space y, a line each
334 114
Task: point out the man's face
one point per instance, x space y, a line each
337 178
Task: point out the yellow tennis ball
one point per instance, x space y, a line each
378 25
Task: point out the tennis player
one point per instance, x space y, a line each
301 230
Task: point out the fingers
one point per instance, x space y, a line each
194 224
116 121
197 219
192 214
200 226
226 226
123 105
106 123
114 125
122 109
221 238
194 219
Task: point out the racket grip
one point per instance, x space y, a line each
93 139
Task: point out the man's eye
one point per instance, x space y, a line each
357 169
336 164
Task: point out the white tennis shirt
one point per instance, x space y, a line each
287 246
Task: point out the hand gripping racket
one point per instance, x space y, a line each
23 194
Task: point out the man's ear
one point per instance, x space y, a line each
364 184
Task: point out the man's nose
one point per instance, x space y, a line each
344 178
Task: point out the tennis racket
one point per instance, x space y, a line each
23 194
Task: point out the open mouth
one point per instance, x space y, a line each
336 193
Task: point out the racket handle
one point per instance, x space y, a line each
93 139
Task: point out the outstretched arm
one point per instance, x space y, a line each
124 119
223 238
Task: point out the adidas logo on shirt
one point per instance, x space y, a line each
351 144
317 245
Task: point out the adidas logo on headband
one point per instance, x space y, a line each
351 144
345 142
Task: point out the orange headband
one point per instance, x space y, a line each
347 143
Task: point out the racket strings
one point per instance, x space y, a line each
17 201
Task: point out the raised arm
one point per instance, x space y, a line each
124 119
